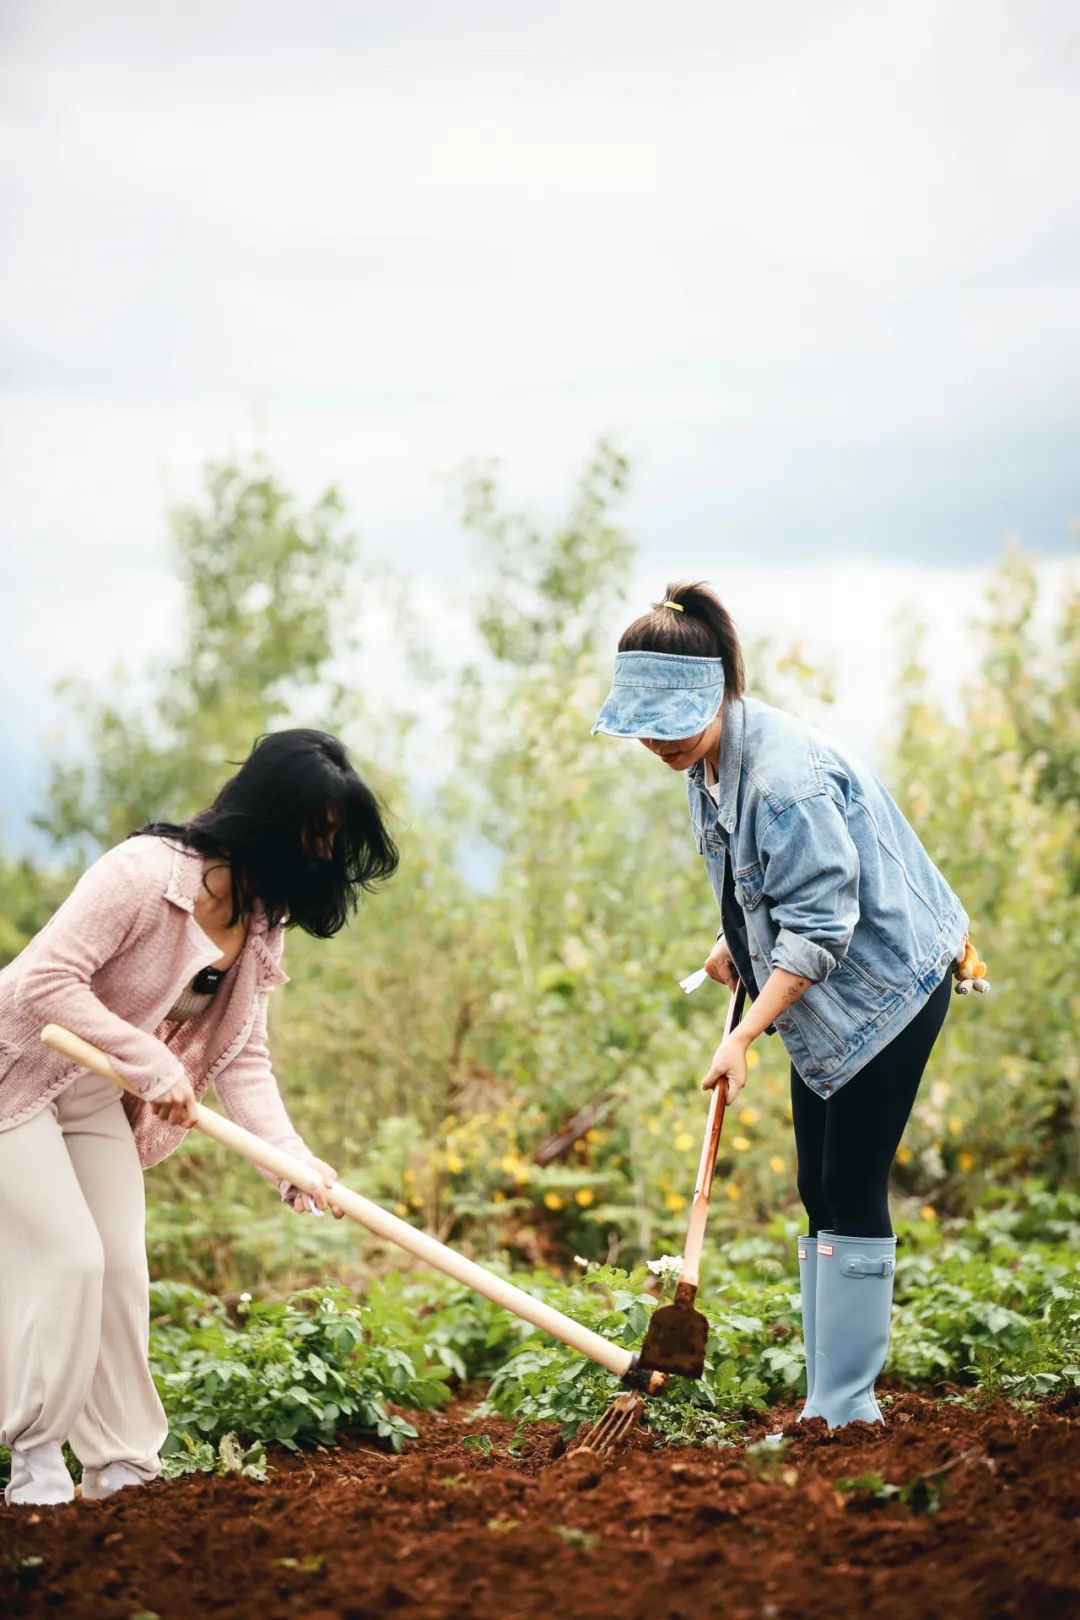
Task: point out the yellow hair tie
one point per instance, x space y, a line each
676 605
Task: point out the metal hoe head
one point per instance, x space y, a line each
676 1337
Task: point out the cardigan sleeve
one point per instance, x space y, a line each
101 916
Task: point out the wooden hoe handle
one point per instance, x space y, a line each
699 1209
371 1216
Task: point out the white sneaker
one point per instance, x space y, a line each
97 1483
39 1477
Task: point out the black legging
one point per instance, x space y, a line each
846 1143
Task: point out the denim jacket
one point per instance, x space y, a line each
830 883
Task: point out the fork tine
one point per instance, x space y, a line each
614 1429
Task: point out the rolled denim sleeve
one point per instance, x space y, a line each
810 870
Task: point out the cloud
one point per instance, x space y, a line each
814 265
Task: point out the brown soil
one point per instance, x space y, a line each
443 1530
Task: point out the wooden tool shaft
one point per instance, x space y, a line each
714 1124
371 1216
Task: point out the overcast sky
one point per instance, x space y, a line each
816 266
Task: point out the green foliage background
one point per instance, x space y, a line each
433 1047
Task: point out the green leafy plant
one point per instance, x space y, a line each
575 1538
295 1372
191 1456
923 1494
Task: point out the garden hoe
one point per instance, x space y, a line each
614 1357
677 1334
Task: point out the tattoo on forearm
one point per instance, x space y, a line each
793 991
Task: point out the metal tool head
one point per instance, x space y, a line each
675 1340
613 1430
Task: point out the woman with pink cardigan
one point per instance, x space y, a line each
164 955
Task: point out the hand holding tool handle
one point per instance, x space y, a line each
371 1216
263 1154
699 1209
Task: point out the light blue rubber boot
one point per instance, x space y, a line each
851 1327
807 1251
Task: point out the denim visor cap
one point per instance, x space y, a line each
661 695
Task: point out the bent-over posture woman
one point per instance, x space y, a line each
164 955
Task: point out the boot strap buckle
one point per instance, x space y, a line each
860 1265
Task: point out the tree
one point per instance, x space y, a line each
265 612
993 799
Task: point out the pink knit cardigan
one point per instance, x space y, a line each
109 965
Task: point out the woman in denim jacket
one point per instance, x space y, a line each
842 929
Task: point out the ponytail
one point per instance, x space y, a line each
691 622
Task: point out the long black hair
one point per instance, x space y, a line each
299 830
704 629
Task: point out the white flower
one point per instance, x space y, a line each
580 1260
245 1299
667 1268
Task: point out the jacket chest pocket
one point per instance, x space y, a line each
749 885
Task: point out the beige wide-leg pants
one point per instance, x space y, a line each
74 1286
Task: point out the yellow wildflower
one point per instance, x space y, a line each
776 1164
748 1117
732 1190
752 1059
740 1143
904 1155
415 1202
956 1125
966 1161
584 1196
552 1200
675 1201
407 1176
684 1142
401 1209
594 1135
454 1164
498 1196
928 1212
653 1127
